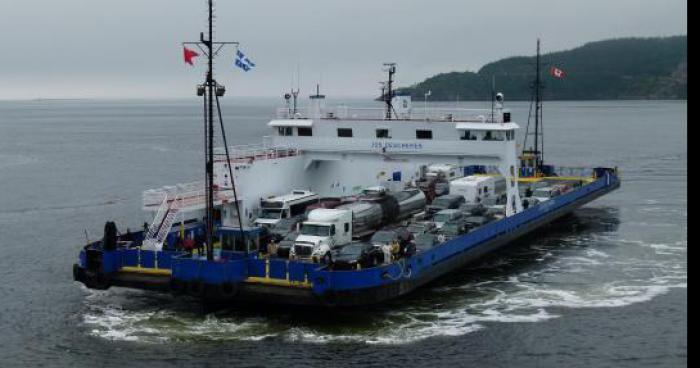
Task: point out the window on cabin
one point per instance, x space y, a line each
488 136
305 132
467 136
345 132
424 134
383 133
285 131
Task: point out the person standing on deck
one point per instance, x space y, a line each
188 244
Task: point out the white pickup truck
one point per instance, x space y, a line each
324 230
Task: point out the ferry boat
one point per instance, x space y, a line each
351 187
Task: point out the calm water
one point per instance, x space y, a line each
605 287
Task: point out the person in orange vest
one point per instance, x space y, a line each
188 244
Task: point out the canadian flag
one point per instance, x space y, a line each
557 73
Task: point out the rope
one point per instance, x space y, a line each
230 171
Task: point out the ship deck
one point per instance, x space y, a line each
245 277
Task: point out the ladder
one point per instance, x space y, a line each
162 223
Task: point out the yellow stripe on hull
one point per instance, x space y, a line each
279 282
146 271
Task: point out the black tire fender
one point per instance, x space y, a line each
227 290
177 287
196 288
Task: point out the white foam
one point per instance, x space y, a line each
463 308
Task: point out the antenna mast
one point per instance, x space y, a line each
389 95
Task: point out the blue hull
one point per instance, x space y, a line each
245 278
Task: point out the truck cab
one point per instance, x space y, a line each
323 231
274 209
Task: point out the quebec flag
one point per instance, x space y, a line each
243 62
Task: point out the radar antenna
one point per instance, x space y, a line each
388 90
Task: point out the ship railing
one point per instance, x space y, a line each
287 113
446 114
250 153
182 195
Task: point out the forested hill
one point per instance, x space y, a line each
629 68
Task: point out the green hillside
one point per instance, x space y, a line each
630 68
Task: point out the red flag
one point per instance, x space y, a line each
557 73
189 55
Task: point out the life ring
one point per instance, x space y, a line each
330 298
177 287
97 281
195 288
227 290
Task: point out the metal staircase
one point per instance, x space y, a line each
162 223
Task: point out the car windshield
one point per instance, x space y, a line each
416 228
442 217
271 214
285 224
383 237
316 230
351 250
451 229
425 240
542 192
442 202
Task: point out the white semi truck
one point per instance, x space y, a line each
324 230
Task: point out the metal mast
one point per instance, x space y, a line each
538 111
535 154
389 95
210 135
210 91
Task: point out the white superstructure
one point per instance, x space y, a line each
337 152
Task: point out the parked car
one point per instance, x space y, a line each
453 229
445 216
529 202
446 202
474 222
545 193
285 245
422 227
425 241
356 255
399 234
472 209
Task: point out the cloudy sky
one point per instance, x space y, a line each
131 48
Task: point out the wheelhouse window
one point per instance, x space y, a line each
424 134
383 133
304 132
285 131
345 132
467 136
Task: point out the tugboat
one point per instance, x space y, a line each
342 185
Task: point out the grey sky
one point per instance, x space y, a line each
131 48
